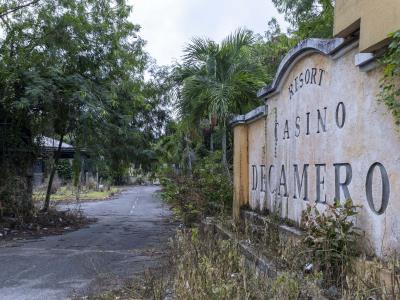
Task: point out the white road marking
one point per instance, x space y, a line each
134 205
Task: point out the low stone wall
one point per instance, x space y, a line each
262 266
259 264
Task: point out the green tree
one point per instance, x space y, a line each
309 18
71 68
8 7
176 146
219 80
270 48
390 87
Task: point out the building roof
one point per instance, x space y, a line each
371 20
47 142
50 145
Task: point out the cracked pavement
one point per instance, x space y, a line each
129 236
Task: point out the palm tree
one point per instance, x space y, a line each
219 80
175 147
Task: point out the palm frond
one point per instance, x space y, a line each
198 51
219 80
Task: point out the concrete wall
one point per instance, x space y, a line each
257 158
240 166
375 19
325 136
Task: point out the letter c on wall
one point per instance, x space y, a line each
385 188
271 190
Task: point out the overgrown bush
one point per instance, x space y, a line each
205 267
209 268
15 192
64 170
331 240
214 183
178 191
208 191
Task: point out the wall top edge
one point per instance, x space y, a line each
325 46
251 116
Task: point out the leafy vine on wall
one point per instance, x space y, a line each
390 85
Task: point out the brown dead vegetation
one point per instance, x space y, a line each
41 223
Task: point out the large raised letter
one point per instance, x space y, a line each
255 177
272 190
385 188
286 131
299 183
342 108
301 79
307 76
321 121
313 76
291 91
321 72
320 181
283 182
297 133
344 185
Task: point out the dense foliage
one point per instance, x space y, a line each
74 70
216 81
331 239
207 192
309 18
390 86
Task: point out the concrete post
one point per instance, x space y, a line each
240 168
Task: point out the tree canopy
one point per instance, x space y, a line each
218 80
74 70
309 18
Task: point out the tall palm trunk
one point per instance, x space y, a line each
213 123
223 142
211 141
188 154
224 160
189 161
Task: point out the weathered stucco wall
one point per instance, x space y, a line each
240 166
326 137
256 158
374 18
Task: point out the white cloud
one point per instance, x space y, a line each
167 25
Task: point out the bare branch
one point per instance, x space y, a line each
14 9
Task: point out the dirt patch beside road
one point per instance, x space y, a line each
43 224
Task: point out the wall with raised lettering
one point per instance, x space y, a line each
326 137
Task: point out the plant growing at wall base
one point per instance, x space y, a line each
331 239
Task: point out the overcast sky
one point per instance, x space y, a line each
167 25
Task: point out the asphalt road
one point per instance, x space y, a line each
128 238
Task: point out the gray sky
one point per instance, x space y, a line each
167 25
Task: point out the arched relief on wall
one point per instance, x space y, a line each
305 48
